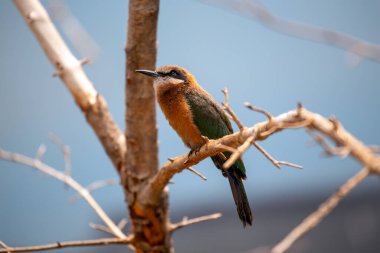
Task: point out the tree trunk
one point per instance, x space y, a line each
149 222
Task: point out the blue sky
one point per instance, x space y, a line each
221 48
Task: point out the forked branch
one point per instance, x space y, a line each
299 118
39 165
70 71
187 222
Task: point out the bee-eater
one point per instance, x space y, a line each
195 115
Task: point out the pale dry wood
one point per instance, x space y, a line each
66 151
40 152
324 209
342 152
239 152
73 29
95 186
100 228
37 164
299 118
186 222
260 110
274 161
197 173
227 148
70 70
2 244
121 225
351 44
227 107
60 245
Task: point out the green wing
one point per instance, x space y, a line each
208 117
211 120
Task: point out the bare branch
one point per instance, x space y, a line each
227 148
274 161
375 148
59 245
238 153
2 244
257 109
70 70
186 222
37 164
100 228
73 29
299 118
324 209
122 223
229 110
342 152
66 151
254 9
40 152
197 173
95 186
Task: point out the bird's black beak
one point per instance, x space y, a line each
150 73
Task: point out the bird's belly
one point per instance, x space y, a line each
179 115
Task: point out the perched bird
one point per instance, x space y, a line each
195 115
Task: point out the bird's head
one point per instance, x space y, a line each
170 76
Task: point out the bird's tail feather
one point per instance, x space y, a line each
238 192
240 197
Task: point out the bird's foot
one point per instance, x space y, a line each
196 150
193 151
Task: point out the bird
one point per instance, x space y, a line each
196 117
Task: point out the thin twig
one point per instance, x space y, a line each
197 173
375 148
238 153
70 70
96 186
260 110
40 151
100 228
2 244
324 209
122 223
73 29
274 161
342 151
66 151
227 148
59 245
186 222
37 164
228 108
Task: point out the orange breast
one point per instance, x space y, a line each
178 113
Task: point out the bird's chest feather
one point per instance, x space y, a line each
178 113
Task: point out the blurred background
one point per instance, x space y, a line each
222 48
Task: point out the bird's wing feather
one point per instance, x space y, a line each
208 116
211 120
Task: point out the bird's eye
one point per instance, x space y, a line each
173 73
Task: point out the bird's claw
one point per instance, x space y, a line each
193 151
